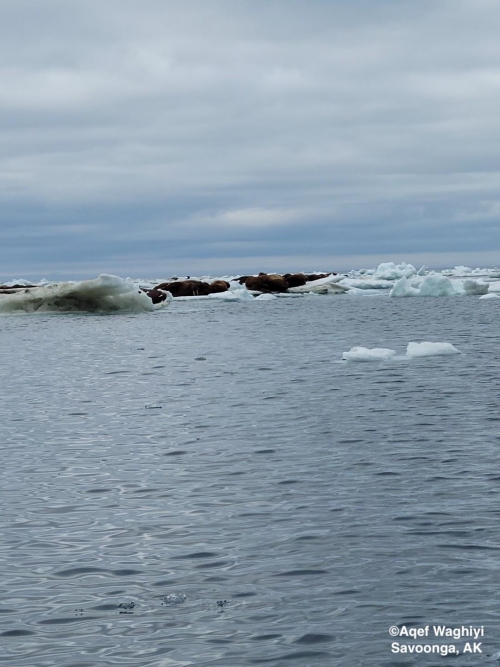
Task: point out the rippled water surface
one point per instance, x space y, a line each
211 485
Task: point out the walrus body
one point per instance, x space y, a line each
193 287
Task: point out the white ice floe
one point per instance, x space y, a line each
404 288
427 349
368 354
391 271
413 351
241 294
431 285
366 291
466 271
328 285
383 277
103 294
265 297
458 271
435 284
367 284
490 295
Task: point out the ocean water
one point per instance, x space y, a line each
212 485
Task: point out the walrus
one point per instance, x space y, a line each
256 283
156 295
219 286
295 279
185 288
275 282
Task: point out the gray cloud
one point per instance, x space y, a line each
205 135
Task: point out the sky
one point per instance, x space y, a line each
216 137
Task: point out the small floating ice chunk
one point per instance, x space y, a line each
367 354
427 349
490 295
265 297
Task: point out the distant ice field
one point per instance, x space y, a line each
211 484
111 294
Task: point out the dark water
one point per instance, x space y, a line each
270 505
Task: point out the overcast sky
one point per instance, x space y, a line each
215 136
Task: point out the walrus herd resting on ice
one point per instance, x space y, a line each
263 283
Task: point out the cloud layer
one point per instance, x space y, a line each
174 137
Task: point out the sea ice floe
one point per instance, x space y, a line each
241 294
403 287
368 354
465 271
490 295
427 349
106 294
391 271
238 295
472 287
328 285
432 285
413 351
266 297
368 284
458 271
435 285
366 291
